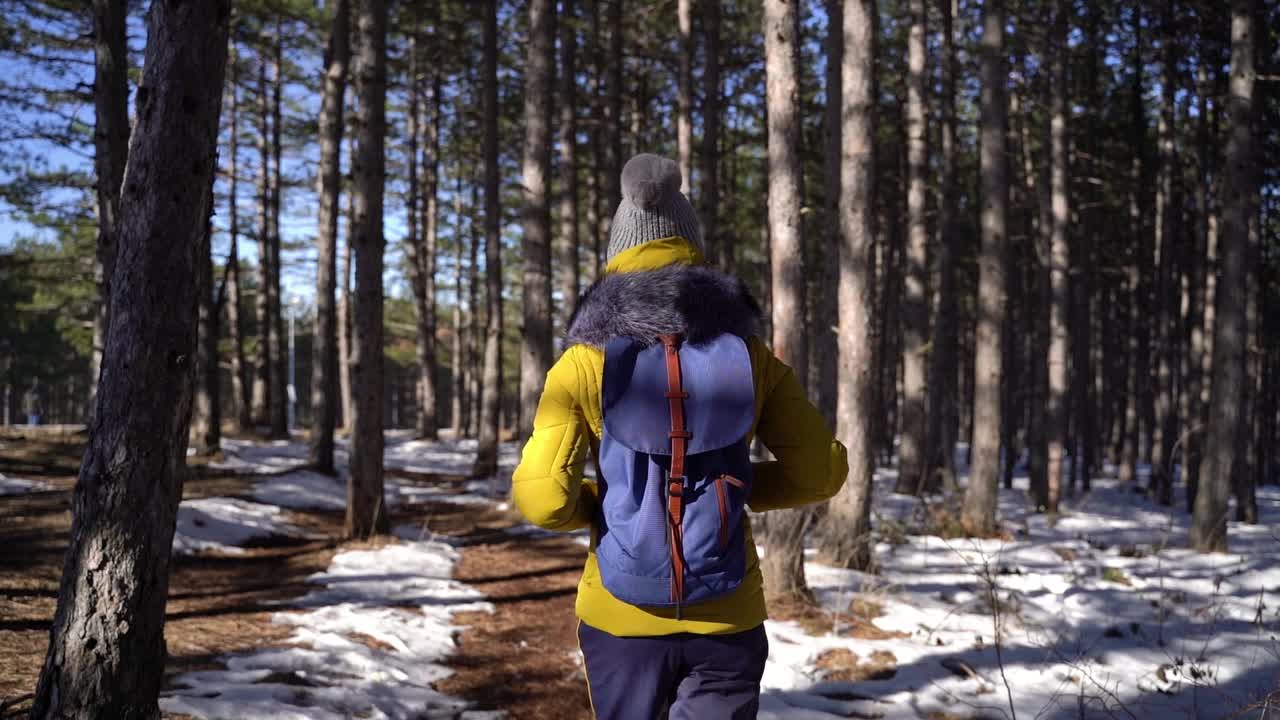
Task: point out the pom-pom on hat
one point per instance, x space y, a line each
652 205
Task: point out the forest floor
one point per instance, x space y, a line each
467 613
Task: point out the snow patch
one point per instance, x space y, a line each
225 524
371 641
18 486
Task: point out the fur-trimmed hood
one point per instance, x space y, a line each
695 301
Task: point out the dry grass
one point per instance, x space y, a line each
843 665
855 622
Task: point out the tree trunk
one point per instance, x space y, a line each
240 382
979 515
344 310
684 93
1209 521
280 398
535 339
825 338
106 647
460 330
324 371
570 262
1137 365
206 416
262 397
915 324
110 150
1243 486
1059 261
366 505
596 211
428 423
486 464
709 190
475 331
847 529
613 115
1086 372
1161 487
939 447
783 564
1197 272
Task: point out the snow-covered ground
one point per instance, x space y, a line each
1105 615
372 638
369 642
225 525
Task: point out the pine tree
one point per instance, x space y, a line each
847 529
1209 521
366 502
1059 262
916 306
110 145
325 367
107 639
490 379
979 514
535 338
783 565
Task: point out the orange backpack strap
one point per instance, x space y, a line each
679 448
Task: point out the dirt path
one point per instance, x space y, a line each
523 657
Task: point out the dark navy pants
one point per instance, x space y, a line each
692 677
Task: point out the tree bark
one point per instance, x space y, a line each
535 339
783 564
1209 521
1137 363
979 513
263 362
915 324
486 464
847 530
1087 370
107 645
458 361
240 382
684 94
279 381
1059 261
366 505
206 416
570 260
344 309
940 435
324 372
1197 273
1161 486
613 114
709 190
428 422
475 330
110 151
825 343
597 221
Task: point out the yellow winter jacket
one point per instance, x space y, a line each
548 486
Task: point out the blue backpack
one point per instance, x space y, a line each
675 469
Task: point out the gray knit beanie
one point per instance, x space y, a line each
652 206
